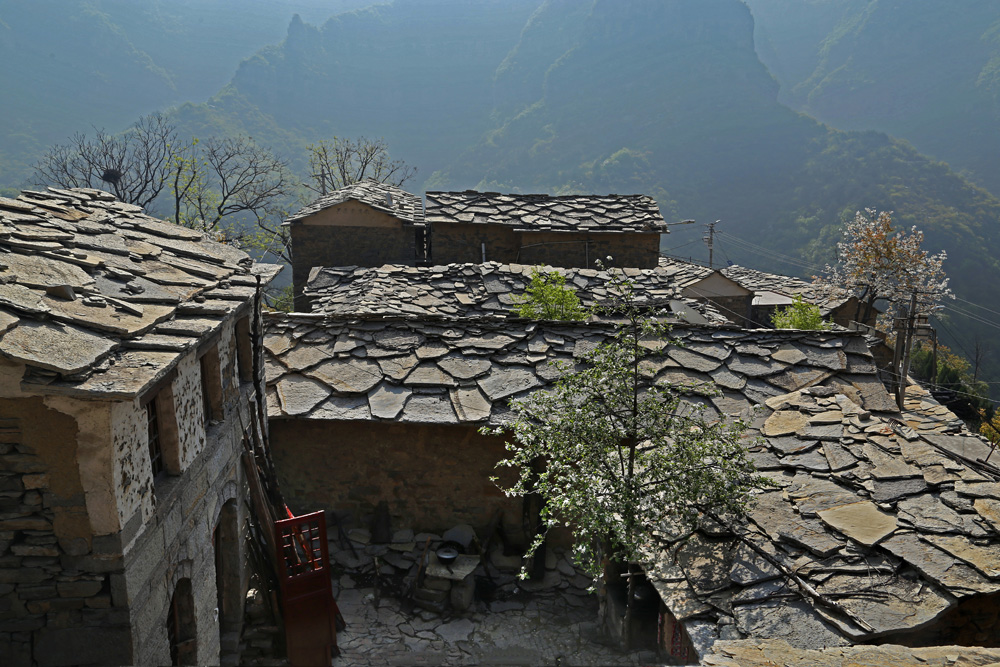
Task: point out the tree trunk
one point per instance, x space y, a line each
627 629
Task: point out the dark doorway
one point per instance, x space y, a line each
181 627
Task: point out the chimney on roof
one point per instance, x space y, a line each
388 199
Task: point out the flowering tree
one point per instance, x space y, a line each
622 455
877 262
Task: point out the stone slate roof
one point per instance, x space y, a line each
97 298
382 196
827 297
547 213
890 520
473 290
451 371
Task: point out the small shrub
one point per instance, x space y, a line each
548 298
799 315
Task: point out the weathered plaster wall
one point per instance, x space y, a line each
189 407
176 542
132 475
432 476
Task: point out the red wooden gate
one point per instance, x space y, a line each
307 597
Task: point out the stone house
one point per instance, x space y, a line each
128 392
365 224
369 224
750 297
882 526
566 230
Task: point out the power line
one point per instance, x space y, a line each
773 254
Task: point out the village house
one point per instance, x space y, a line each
563 230
750 297
364 224
128 395
368 224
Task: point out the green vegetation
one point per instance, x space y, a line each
799 315
964 394
548 298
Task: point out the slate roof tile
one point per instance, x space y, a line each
382 196
468 290
541 212
95 288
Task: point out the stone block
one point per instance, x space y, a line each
36 592
33 550
99 602
79 589
92 563
430 595
119 590
24 575
35 481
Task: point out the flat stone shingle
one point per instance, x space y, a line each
635 213
382 196
89 281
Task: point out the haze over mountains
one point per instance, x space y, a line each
691 101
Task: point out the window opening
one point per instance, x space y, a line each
155 446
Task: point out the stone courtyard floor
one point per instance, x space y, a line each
553 626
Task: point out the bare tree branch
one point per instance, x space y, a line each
133 165
338 163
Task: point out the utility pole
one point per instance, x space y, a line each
904 368
710 240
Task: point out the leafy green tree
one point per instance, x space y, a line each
954 375
548 298
615 454
799 315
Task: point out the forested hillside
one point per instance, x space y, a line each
70 65
923 70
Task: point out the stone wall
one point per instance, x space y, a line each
92 547
432 476
460 243
456 244
56 577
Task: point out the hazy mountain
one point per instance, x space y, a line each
666 97
924 70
